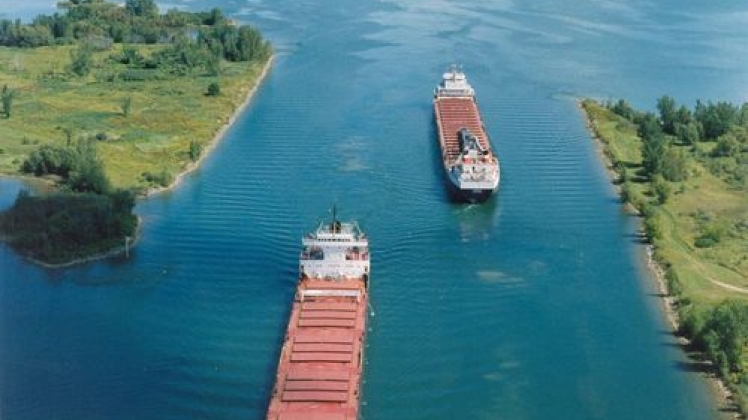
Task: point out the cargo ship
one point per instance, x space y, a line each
470 166
321 361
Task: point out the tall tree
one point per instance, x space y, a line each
145 8
653 144
666 106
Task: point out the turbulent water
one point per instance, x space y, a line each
531 306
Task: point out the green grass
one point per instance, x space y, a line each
165 115
705 275
702 194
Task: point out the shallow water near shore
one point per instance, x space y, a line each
531 306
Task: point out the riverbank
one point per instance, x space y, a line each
616 159
205 152
146 131
219 135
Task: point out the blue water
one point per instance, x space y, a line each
532 306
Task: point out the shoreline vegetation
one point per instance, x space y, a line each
103 100
685 173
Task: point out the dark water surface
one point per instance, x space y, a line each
531 306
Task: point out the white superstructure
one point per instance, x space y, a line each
454 84
335 250
475 167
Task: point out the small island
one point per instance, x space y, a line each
108 101
686 173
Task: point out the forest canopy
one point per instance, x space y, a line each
98 24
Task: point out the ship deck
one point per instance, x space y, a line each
319 371
453 114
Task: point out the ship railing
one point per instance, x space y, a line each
454 91
308 293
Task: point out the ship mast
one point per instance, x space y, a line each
334 225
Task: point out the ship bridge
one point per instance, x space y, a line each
454 84
335 250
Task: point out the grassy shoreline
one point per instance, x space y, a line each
144 147
219 135
144 142
698 289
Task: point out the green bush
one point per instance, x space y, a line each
652 223
163 178
724 336
195 150
711 234
214 89
79 166
673 282
661 189
63 226
140 75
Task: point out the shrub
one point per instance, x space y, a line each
673 282
652 224
675 165
705 242
195 150
163 178
139 75
214 89
626 191
661 189
81 60
711 234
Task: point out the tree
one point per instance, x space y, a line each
687 133
666 106
215 17
661 189
145 8
683 116
87 174
623 109
653 144
715 119
675 165
652 224
727 145
7 99
724 335
214 89
81 60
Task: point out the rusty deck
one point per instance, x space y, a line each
453 114
319 371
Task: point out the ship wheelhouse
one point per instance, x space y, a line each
335 250
454 84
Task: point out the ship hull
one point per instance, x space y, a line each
466 195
